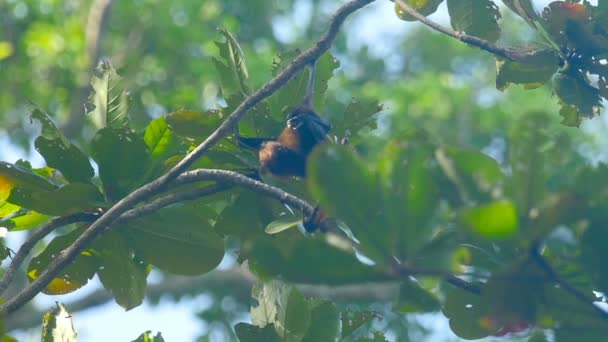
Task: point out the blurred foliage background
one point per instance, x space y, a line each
163 51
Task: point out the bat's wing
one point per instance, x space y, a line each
310 125
254 144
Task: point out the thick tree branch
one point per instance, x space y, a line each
536 255
504 53
100 225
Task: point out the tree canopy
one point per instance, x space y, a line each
463 176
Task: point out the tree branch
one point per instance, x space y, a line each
504 53
235 282
100 225
536 255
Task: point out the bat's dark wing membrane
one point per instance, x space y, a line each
312 127
254 144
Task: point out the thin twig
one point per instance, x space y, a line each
402 271
31 242
100 225
504 53
535 253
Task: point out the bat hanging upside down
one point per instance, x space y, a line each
287 154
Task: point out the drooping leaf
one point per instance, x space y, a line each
59 153
57 326
178 240
122 157
71 278
424 7
110 99
574 90
293 316
475 17
324 323
533 71
231 66
264 309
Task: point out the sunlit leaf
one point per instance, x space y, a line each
69 199
497 220
57 326
109 98
282 223
148 337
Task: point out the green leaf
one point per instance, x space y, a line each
122 157
109 98
424 7
57 326
12 175
178 240
293 316
159 138
574 90
119 273
361 206
243 216
410 194
282 223
475 17
292 94
71 278
252 333
264 310
497 220
353 320
324 323
529 143
69 199
147 337
311 261
59 153
476 176
413 298
28 220
358 114
467 313
231 66
532 71
594 252
524 9
193 126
